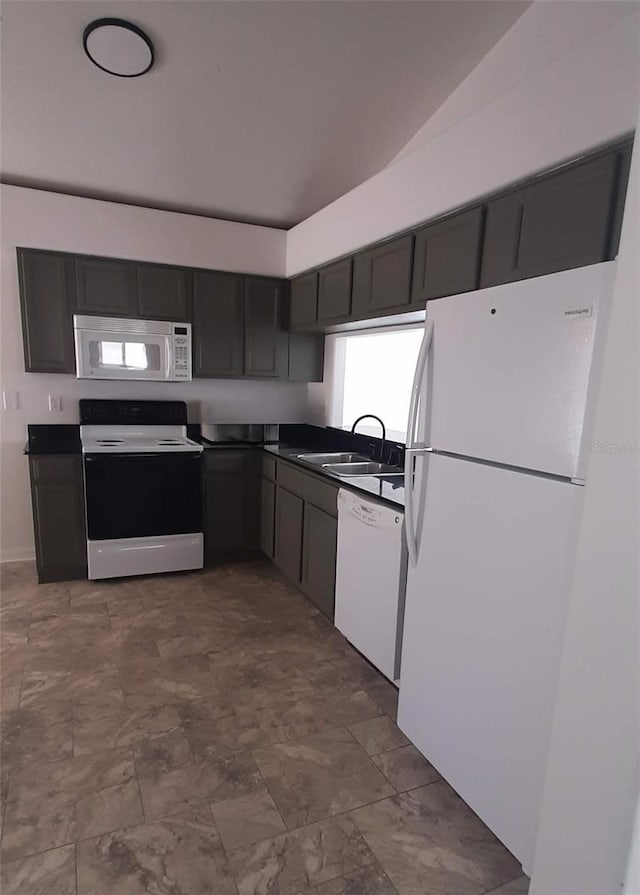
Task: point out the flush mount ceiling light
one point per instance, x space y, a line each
118 47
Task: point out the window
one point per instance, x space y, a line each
373 373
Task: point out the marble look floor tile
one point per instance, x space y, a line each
169 775
44 687
177 855
48 873
296 862
14 624
105 722
36 734
385 696
320 776
429 840
59 802
378 735
320 711
247 819
518 886
405 768
10 686
370 880
64 623
166 681
218 728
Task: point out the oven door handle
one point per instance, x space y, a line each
108 455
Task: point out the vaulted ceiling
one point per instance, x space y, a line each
258 111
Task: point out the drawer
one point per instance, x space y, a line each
311 488
220 462
269 468
55 467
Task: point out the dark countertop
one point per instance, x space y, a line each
388 489
58 438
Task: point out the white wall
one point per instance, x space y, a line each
52 221
585 97
592 776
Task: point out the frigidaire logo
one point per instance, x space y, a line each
578 312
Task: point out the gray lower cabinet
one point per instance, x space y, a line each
319 548
106 287
334 291
46 285
57 499
562 221
231 481
218 324
382 278
289 518
304 300
266 342
164 293
267 516
446 258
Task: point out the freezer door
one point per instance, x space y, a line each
509 372
484 620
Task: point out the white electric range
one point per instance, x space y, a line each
143 491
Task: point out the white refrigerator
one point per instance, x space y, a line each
495 475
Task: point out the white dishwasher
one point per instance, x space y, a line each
371 572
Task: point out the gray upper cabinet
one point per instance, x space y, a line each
382 278
57 498
46 285
334 291
559 222
318 580
304 300
106 287
446 259
164 293
306 357
218 324
266 343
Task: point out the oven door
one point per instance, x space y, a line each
142 495
123 355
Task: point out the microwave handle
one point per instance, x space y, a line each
170 358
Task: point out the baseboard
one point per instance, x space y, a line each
20 555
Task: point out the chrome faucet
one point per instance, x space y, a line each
371 416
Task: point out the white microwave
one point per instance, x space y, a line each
119 348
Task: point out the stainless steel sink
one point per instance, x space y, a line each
368 467
325 459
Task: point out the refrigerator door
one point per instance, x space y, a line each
510 366
484 620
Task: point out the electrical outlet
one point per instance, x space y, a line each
55 403
9 399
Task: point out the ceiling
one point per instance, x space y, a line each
257 111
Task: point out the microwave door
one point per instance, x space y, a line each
118 355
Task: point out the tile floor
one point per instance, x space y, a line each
212 733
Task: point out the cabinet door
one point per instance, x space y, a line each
164 292
57 498
267 516
231 503
382 278
306 357
46 287
266 343
304 300
288 534
218 302
446 258
319 558
106 286
334 291
559 222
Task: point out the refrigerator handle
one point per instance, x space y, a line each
411 449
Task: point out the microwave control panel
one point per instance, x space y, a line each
182 351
